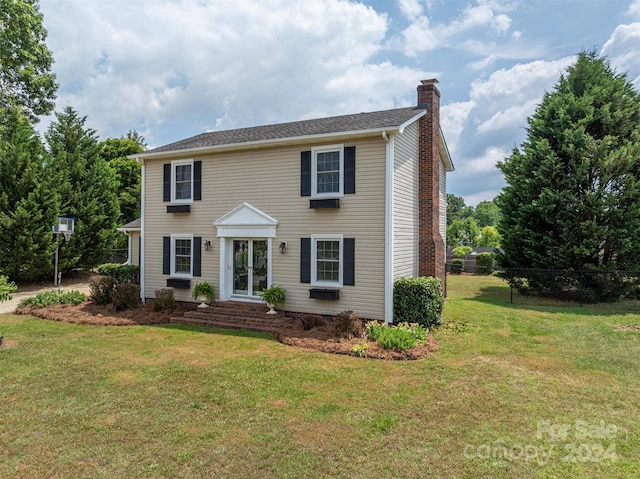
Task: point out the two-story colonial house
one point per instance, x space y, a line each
332 209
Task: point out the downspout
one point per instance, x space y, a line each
142 229
388 230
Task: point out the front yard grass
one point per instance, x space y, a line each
515 390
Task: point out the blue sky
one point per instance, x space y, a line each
175 68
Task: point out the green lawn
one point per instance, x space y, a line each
515 391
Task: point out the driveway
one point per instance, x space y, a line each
10 306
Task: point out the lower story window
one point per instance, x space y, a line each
326 266
182 258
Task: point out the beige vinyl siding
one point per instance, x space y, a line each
134 240
443 202
269 179
405 203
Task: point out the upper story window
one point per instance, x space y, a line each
327 172
182 181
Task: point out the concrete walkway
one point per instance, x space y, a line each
10 306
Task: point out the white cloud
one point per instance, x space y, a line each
422 35
622 50
411 9
453 119
634 9
488 160
220 64
475 198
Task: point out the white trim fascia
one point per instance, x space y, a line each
273 142
410 121
223 294
142 228
128 230
445 156
388 231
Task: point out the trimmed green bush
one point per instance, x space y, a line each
165 300
484 263
125 296
51 298
122 273
6 288
101 289
418 300
457 266
401 337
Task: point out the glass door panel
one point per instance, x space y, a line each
259 270
250 266
241 267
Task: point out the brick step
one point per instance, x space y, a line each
234 315
225 324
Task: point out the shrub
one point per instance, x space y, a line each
6 288
125 296
101 289
484 263
462 250
360 350
122 273
348 324
417 300
310 321
401 337
165 300
457 266
51 298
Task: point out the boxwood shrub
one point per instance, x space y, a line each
418 300
122 273
457 266
484 263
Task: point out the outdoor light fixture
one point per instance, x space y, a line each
283 247
207 245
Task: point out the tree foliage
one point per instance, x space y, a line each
128 173
28 201
26 79
572 199
88 190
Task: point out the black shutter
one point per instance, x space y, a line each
166 183
305 260
349 259
197 180
349 170
305 173
196 249
166 255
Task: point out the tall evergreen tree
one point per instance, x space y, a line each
572 199
88 190
28 203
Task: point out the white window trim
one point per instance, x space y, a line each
314 171
174 274
314 260
175 164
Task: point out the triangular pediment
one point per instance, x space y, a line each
246 215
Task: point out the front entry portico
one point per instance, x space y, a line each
245 252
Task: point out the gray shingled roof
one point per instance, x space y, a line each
135 224
377 120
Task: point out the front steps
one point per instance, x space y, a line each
234 315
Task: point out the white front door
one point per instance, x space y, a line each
249 266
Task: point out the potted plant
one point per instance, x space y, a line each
274 296
203 292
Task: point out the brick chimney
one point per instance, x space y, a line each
431 246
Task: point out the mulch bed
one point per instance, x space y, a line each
321 338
